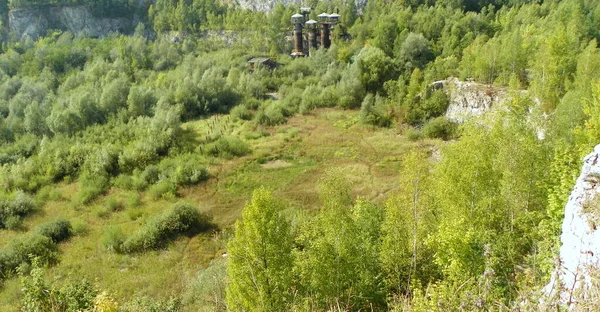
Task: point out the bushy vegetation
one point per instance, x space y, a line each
57 230
13 210
473 226
440 128
23 250
182 218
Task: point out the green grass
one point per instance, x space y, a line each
290 159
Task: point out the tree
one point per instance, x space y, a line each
339 264
554 65
415 52
375 68
260 258
408 220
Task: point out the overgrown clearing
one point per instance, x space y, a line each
308 145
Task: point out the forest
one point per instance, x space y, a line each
142 173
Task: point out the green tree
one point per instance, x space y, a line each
415 52
409 218
375 68
339 264
260 258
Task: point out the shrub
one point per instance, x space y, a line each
441 128
310 99
227 146
270 116
134 214
165 189
22 204
114 205
124 181
151 174
76 296
208 287
373 111
190 174
37 295
436 103
414 134
181 218
252 103
48 193
79 227
23 249
328 97
145 304
113 239
241 112
58 230
12 211
133 200
13 222
92 187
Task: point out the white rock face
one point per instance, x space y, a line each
580 249
34 23
268 5
469 99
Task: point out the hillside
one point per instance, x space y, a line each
290 159
187 162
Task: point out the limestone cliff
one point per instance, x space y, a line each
469 99
580 238
268 5
77 19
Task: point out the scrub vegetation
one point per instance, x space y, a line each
157 171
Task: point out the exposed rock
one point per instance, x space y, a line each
468 99
268 5
580 249
35 22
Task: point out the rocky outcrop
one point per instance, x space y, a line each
78 20
468 99
268 5
580 239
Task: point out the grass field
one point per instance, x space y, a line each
289 159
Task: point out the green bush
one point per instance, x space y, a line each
48 193
79 227
22 204
23 249
145 304
124 181
113 239
436 104
270 115
181 218
133 200
150 175
227 146
165 189
113 204
241 112
38 295
13 222
190 174
12 211
440 128
92 187
76 296
58 230
373 111
414 134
